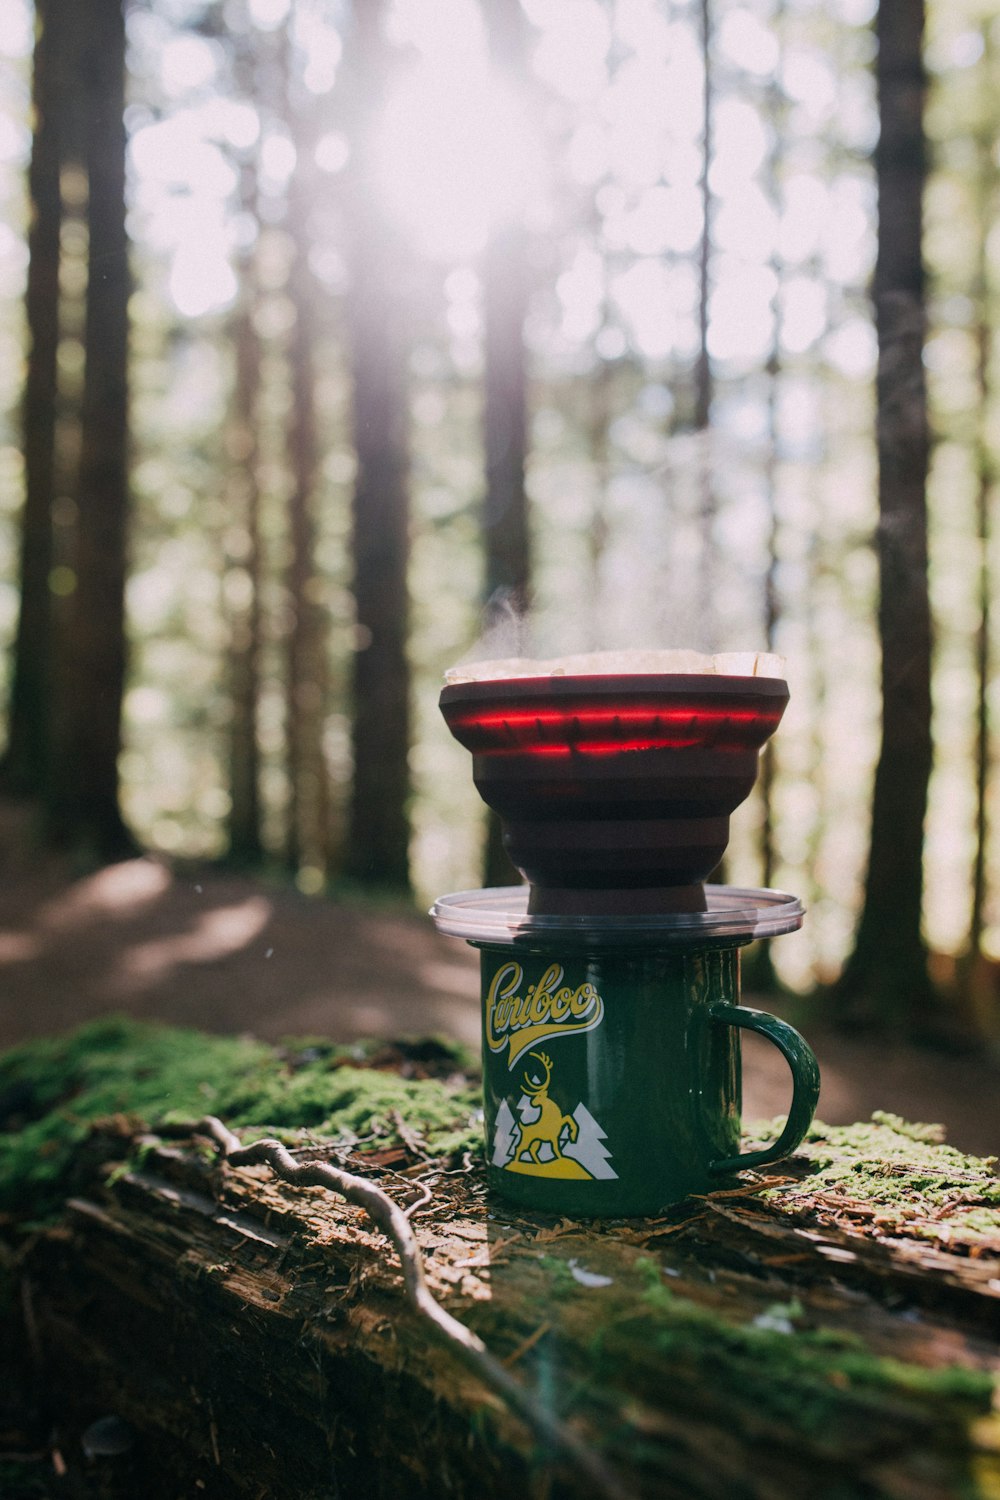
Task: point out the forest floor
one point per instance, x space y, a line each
233 954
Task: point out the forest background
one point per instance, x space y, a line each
338 335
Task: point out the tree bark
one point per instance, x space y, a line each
307 673
985 470
704 381
378 820
308 676
246 636
26 761
975 970
886 979
758 965
85 794
505 519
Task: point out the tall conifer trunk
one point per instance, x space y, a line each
985 467
246 643
758 965
308 675
26 761
84 799
506 532
886 979
704 377
379 829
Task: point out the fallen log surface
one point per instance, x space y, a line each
184 1326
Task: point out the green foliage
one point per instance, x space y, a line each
53 1090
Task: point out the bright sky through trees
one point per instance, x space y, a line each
457 150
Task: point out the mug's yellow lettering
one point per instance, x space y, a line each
561 1002
517 1020
583 999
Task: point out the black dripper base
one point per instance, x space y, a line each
619 901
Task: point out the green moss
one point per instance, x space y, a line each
52 1091
904 1173
349 1101
810 1380
930 1135
802 1376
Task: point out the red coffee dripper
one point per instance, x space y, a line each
615 790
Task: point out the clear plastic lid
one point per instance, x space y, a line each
500 915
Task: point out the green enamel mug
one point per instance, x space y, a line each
612 1078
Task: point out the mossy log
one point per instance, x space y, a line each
829 1332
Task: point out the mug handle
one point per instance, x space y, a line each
805 1082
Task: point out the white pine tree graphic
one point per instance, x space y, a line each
588 1148
503 1135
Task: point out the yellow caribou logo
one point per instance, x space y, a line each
549 1008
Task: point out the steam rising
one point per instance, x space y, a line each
622 663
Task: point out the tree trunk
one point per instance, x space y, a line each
307 684
308 812
772 464
985 469
245 842
379 828
703 374
26 760
506 530
245 561
886 979
758 965
84 798
975 971
601 409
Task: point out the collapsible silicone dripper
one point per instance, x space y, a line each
615 791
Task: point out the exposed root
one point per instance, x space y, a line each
395 1225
